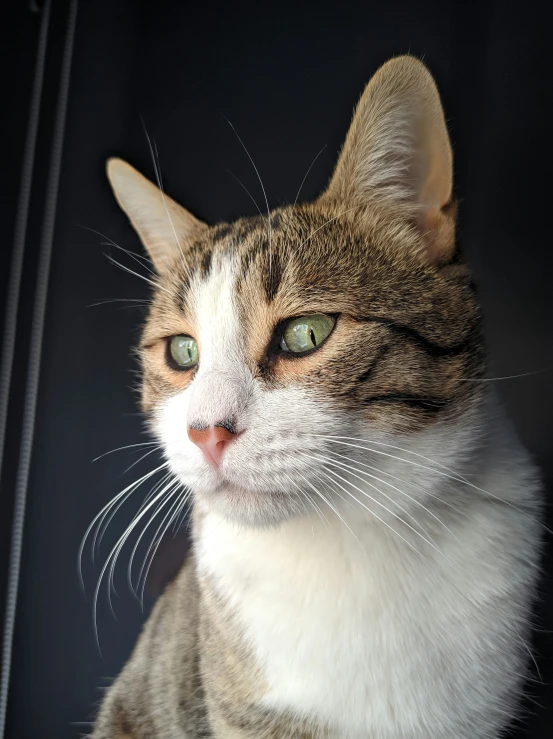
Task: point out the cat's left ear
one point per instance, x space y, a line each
164 227
397 152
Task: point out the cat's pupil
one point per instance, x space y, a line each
312 335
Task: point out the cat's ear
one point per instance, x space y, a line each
397 151
164 227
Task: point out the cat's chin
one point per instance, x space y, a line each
251 507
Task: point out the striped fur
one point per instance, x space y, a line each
364 557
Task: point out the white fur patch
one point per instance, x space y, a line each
356 630
386 599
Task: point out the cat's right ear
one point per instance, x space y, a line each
164 227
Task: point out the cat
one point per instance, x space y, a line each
366 525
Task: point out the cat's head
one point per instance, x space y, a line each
272 340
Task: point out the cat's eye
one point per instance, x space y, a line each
306 333
184 351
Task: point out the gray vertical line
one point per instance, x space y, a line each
20 231
35 352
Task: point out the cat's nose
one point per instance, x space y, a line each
213 441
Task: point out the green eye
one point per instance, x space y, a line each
184 351
306 332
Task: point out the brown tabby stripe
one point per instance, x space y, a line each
433 348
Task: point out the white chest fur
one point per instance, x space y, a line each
357 630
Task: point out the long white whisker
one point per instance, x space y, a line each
105 510
127 446
114 552
403 510
333 508
139 301
304 497
157 171
184 511
159 484
185 494
147 454
137 258
460 592
104 524
262 187
401 480
156 285
246 189
505 377
169 489
315 506
306 175
455 477
141 260
371 511
393 487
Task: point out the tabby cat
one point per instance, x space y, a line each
366 526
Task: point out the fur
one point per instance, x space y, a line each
364 558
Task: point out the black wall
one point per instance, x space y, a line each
287 77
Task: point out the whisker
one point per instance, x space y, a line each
454 476
107 301
157 171
114 552
402 480
306 175
333 508
315 506
398 490
246 189
403 510
182 516
171 513
137 258
304 497
169 489
103 525
152 492
330 220
127 446
155 285
186 494
141 260
512 627
262 187
372 512
147 454
505 377
105 510
457 476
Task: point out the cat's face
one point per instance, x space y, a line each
348 318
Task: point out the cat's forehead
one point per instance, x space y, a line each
308 260
234 287
308 250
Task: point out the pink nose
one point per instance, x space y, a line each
212 441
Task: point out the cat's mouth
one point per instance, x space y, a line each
250 501
226 485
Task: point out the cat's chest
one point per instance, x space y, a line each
333 632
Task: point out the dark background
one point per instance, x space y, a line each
287 77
